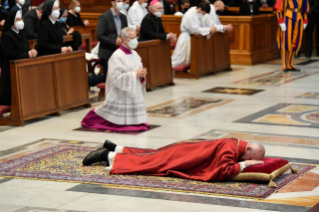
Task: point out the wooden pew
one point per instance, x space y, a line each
91 29
46 85
66 38
208 55
156 58
252 41
261 9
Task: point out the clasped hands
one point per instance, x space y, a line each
33 53
172 37
66 49
140 73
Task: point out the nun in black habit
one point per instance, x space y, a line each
77 38
50 36
14 46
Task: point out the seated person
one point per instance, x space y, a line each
184 7
50 36
249 7
124 107
14 46
202 160
3 11
74 18
192 23
66 30
32 22
152 27
137 12
124 12
19 6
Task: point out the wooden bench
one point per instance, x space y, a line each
46 85
207 56
252 41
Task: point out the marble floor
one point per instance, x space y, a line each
254 103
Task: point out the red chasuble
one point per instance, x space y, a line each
203 160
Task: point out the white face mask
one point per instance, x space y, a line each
77 9
21 2
119 6
133 43
55 14
19 25
144 5
200 16
158 14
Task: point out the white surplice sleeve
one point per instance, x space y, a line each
133 16
121 78
191 23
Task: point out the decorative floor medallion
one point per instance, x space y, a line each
275 78
238 91
301 115
309 95
185 106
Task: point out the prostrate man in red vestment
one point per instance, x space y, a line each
203 160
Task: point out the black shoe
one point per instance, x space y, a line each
295 70
109 145
286 70
308 56
98 155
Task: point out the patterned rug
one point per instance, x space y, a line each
63 163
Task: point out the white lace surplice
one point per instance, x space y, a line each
124 101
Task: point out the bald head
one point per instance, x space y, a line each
254 151
219 5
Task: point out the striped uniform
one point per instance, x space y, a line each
294 14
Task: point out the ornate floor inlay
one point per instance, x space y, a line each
309 95
259 137
300 115
228 90
185 106
275 78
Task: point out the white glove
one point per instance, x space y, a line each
283 27
304 26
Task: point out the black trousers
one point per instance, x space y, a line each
313 21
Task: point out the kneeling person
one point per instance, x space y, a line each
124 107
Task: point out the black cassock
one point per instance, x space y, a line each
74 21
152 28
50 38
14 46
